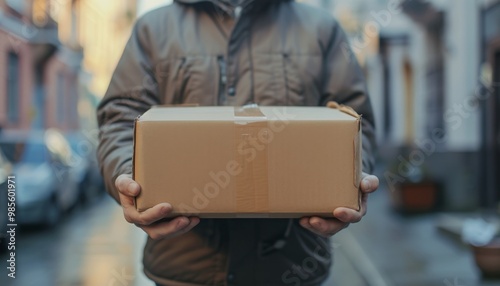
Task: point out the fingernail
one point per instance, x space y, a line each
342 216
304 221
315 222
164 210
132 187
182 223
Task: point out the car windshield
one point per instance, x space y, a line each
24 152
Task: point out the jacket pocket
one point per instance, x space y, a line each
304 78
294 93
287 79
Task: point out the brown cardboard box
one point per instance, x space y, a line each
248 161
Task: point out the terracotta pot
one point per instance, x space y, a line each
416 197
488 258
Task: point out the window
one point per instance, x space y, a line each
12 88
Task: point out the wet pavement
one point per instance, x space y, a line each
391 249
94 246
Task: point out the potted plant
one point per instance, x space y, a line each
487 258
483 236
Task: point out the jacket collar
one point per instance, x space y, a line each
219 3
216 2
226 5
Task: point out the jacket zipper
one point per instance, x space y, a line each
222 79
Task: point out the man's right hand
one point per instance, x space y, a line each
149 220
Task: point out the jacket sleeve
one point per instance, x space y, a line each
132 91
344 83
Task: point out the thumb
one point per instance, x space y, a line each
127 186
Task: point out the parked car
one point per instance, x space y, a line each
5 171
85 167
46 186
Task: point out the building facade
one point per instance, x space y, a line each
38 75
432 68
56 60
102 29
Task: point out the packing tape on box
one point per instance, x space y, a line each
357 144
251 131
344 108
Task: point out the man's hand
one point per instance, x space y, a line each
327 227
149 219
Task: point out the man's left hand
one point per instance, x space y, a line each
327 227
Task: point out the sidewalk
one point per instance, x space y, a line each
386 248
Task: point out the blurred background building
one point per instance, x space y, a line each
65 51
431 68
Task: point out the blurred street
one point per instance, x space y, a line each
95 246
92 246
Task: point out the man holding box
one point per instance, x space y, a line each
221 52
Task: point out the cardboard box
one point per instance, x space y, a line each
219 162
